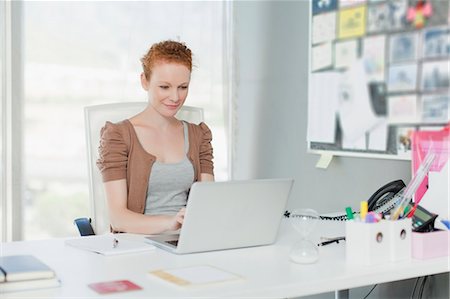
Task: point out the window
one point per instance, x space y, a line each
2 118
86 53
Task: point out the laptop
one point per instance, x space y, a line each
226 215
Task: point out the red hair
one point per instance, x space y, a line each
166 51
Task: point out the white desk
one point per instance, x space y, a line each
267 270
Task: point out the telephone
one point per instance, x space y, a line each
385 199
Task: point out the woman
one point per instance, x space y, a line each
149 161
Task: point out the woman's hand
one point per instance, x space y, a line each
175 222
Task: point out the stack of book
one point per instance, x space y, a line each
25 272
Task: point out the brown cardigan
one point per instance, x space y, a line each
123 157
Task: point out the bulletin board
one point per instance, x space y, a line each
379 69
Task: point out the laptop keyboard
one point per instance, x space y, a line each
174 242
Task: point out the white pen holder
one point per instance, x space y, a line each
378 243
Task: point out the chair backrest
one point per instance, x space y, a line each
95 118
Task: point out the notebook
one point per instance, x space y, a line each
109 245
24 267
226 215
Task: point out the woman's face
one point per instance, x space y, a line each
167 88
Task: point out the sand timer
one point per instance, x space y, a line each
304 221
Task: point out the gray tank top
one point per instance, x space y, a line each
169 184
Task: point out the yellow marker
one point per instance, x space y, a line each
364 210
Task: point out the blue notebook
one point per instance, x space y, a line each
24 267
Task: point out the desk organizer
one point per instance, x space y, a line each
377 243
431 245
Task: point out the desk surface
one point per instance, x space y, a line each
267 270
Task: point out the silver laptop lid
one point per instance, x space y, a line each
233 214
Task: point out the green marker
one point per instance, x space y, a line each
349 212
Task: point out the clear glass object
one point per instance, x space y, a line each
304 221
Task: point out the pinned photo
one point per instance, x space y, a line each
377 18
374 57
402 109
402 78
352 22
436 42
403 139
403 47
435 108
321 6
396 14
435 75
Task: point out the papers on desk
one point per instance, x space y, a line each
106 245
195 276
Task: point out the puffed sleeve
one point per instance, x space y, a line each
206 150
113 153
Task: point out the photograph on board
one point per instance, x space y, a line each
321 6
352 22
403 141
377 18
396 14
402 78
373 53
402 109
435 75
436 42
403 47
435 108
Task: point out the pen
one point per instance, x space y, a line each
349 212
331 241
364 210
115 243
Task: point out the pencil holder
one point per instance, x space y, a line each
367 243
400 234
378 243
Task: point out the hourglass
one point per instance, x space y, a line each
304 221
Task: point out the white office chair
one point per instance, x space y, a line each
95 118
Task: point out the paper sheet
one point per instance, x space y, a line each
352 22
321 56
322 106
355 111
196 275
378 137
358 144
324 28
374 57
403 109
345 53
103 244
324 160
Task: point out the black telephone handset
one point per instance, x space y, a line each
383 201
385 194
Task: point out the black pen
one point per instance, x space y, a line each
331 241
